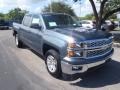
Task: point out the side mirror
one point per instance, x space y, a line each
36 26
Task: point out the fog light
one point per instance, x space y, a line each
76 67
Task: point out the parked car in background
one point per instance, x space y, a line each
4 25
117 23
88 24
67 48
80 24
109 25
108 22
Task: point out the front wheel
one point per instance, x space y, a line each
18 43
53 63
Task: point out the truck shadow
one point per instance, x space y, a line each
33 51
107 75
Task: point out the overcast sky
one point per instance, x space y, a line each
38 5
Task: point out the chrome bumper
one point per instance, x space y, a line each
68 68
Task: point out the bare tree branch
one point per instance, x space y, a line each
102 7
100 17
104 1
101 12
110 13
94 9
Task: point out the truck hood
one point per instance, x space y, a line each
82 34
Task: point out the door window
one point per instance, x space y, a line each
35 20
27 20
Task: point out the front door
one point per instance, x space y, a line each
36 34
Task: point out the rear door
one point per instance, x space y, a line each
25 29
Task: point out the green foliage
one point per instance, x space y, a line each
6 17
16 14
59 7
89 16
112 4
114 16
92 17
1 16
13 15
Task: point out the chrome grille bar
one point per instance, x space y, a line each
95 47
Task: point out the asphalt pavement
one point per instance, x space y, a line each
23 69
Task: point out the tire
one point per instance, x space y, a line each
18 43
53 63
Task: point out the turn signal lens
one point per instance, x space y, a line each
71 53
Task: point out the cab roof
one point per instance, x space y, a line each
46 13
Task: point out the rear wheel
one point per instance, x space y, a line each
18 43
53 63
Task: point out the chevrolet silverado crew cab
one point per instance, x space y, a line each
67 47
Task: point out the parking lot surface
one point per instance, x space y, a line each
23 69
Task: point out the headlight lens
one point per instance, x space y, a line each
71 45
74 50
70 51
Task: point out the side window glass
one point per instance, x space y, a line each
36 24
27 20
35 20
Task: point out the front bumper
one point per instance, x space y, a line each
79 65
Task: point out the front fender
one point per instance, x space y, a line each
57 43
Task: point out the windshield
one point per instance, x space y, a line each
59 21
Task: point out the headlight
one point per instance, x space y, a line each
71 53
70 49
74 50
71 45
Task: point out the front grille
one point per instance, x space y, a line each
97 43
93 48
98 52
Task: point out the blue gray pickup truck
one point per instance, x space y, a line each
67 47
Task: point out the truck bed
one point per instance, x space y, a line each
16 26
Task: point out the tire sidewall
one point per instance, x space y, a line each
16 40
18 43
55 54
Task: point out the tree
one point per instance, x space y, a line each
89 16
107 8
16 14
92 17
59 7
6 17
1 16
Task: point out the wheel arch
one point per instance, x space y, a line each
47 47
14 32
